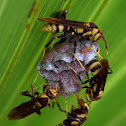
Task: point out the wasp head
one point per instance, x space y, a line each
97 34
52 93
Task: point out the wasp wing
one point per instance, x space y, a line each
70 23
102 76
22 110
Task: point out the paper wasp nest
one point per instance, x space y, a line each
54 65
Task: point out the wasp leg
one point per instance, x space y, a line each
97 52
106 45
45 88
88 77
82 66
75 73
34 82
57 37
86 82
25 94
52 104
75 81
72 118
110 70
38 112
84 95
73 107
36 93
86 87
42 55
37 87
66 102
60 107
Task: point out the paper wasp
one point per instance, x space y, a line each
99 71
72 28
35 104
77 115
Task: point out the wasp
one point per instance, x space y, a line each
77 115
72 28
35 104
99 70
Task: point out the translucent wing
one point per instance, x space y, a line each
22 110
70 23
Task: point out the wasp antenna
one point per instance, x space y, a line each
25 92
82 66
79 62
42 56
34 82
57 86
66 102
75 81
94 51
76 96
55 82
72 69
106 45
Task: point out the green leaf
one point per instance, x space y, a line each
22 45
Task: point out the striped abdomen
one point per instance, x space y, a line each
94 67
54 28
90 95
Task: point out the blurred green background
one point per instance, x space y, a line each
21 46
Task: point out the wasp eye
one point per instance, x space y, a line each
99 36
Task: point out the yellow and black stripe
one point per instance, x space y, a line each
78 115
35 104
99 70
94 66
90 94
54 28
